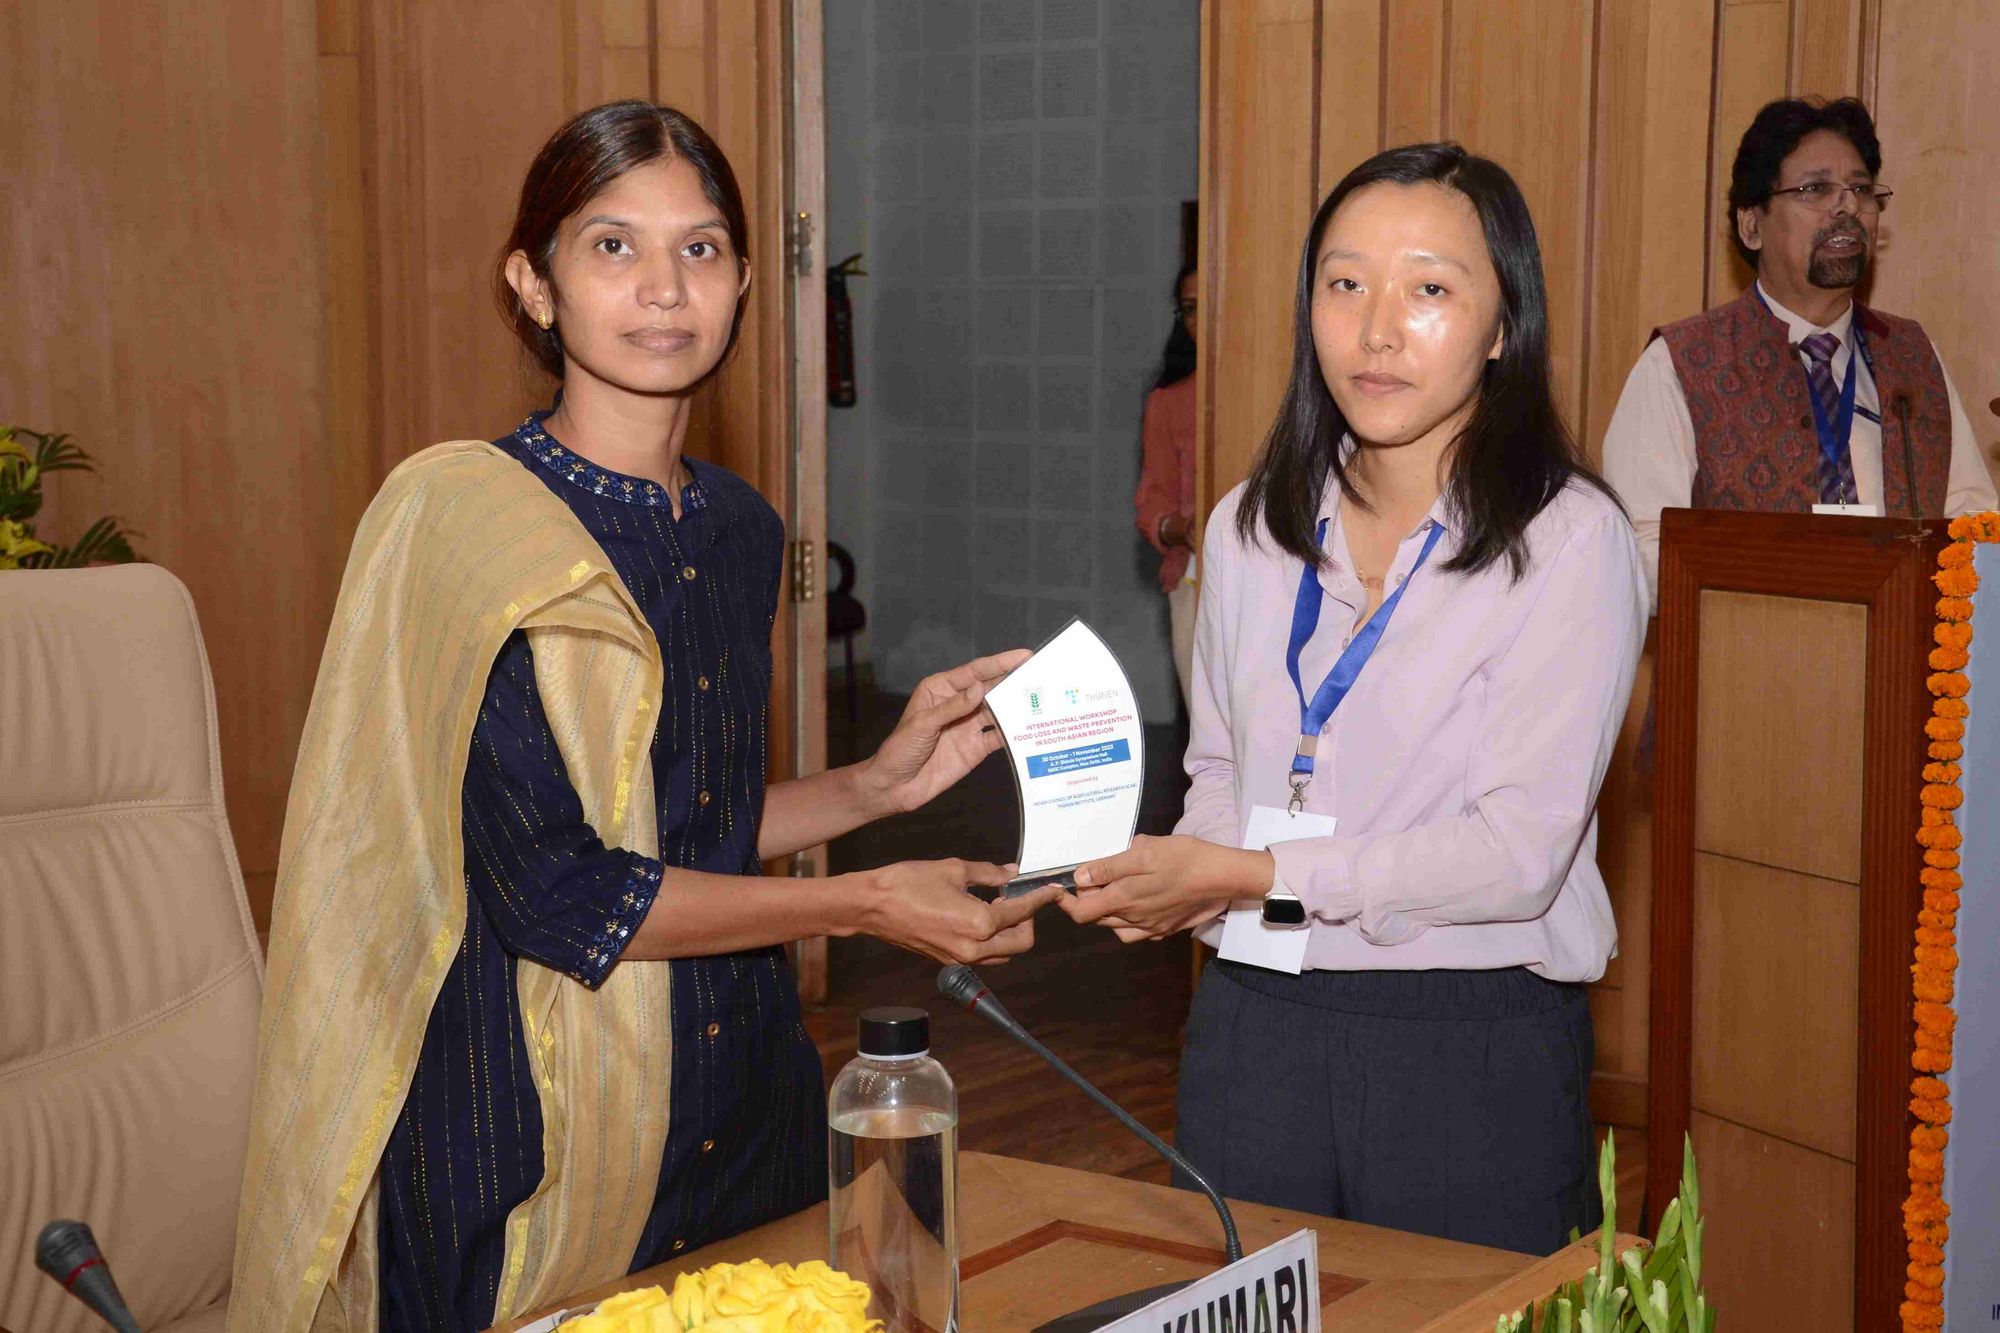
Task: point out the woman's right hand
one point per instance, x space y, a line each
923 906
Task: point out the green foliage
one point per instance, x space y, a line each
27 457
1656 1289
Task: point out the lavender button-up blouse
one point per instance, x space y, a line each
1464 765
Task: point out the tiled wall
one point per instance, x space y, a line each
1013 170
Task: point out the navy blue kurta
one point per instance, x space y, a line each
746 1139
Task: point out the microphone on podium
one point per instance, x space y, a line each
67 1252
962 986
1899 404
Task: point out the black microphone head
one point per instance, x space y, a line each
960 984
67 1252
63 1247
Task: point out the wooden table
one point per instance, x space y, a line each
1039 1241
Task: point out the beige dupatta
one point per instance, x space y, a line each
462 546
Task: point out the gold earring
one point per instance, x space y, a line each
544 319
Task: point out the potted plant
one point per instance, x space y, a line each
27 457
1654 1290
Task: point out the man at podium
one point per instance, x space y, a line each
1794 397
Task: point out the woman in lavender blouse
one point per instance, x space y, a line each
1419 622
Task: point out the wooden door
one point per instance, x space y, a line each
806 687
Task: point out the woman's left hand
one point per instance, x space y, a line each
1164 885
944 733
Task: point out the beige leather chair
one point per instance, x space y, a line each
130 973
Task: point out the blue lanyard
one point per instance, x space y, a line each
1833 435
1314 716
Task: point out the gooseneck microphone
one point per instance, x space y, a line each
962 986
1900 406
67 1252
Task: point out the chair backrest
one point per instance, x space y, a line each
130 973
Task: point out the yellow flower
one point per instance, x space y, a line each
643 1311
16 545
831 1289
806 1319
750 1297
741 1289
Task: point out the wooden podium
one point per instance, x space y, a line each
1790 713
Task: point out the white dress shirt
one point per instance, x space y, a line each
1463 766
1649 449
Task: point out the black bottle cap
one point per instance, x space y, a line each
895 1029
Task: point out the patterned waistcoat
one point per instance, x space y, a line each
1755 446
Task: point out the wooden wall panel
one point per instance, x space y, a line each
1350 109
1258 169
1515 95
161 260
1939 259
346 346
1650 214
449 152
682 61
1752 65
1826 46
1410 71
626 56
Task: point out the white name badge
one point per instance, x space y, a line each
1246 937
1276 1288
1850 511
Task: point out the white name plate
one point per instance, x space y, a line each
1275 1290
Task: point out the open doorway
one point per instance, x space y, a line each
1018 178
1015 175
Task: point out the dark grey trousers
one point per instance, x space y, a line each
1450 1103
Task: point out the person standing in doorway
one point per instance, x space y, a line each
1165 500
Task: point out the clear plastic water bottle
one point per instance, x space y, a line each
892 1137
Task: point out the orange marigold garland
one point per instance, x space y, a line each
1933 973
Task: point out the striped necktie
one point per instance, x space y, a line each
1836 477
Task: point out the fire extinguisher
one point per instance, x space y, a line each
840 331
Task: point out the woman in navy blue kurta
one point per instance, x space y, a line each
746 1142
627 273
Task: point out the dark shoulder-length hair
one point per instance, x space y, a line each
1177 360
578 163
1514 456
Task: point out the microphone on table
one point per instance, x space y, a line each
962 986
67 1252
1900 405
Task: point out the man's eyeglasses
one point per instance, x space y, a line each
1824 196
